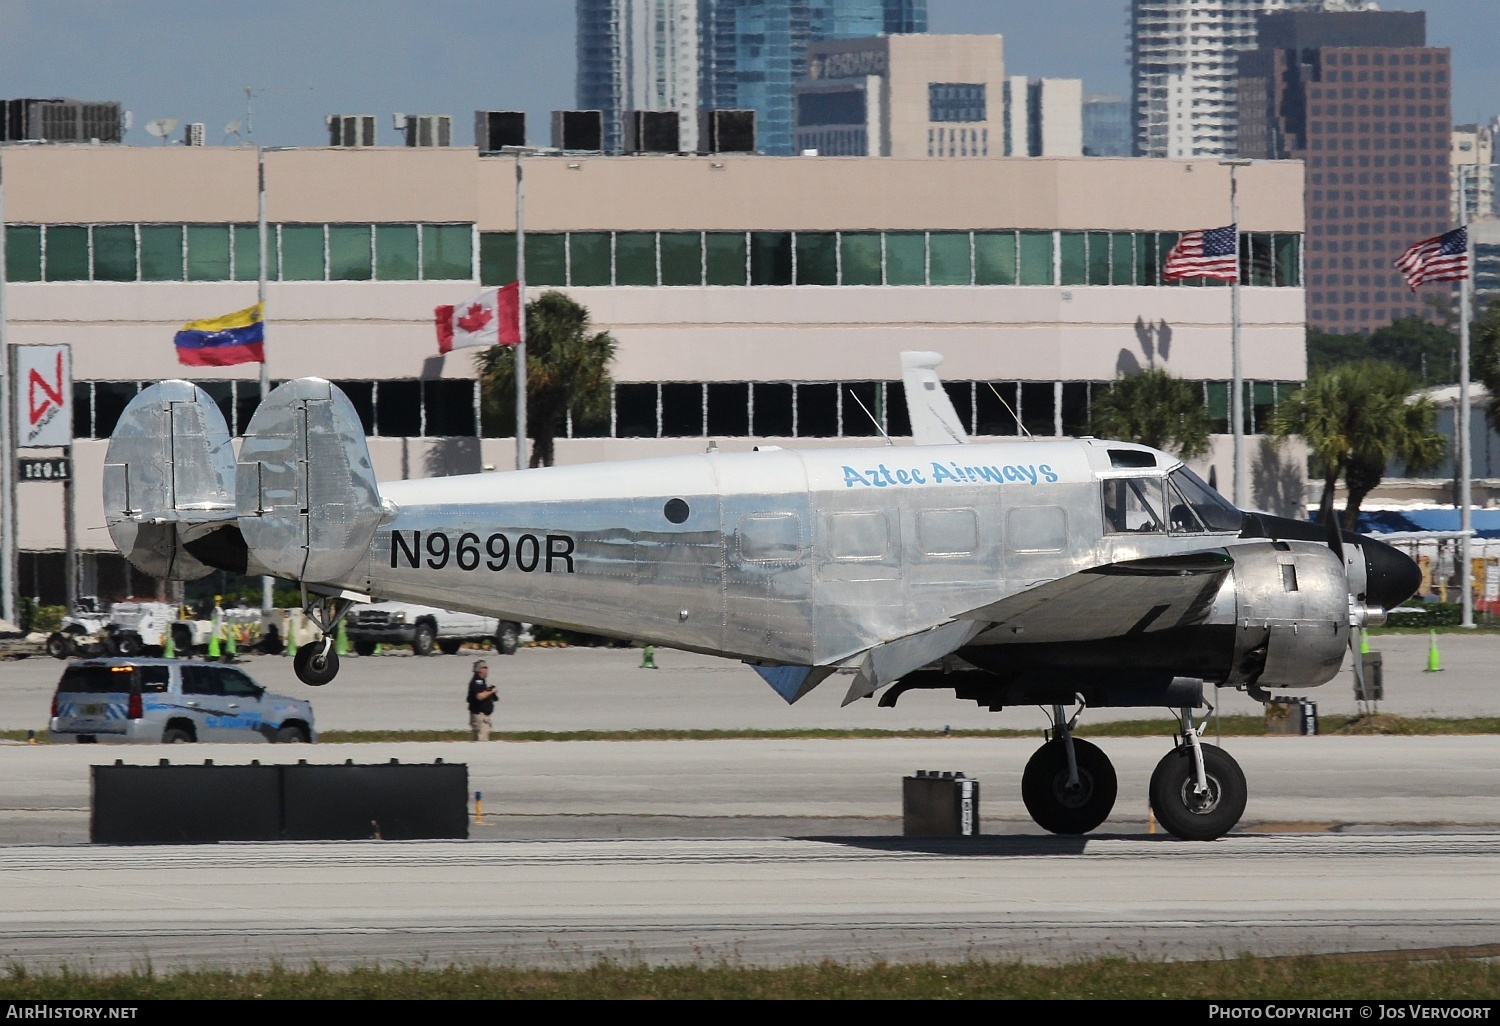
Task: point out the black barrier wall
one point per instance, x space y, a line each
166 804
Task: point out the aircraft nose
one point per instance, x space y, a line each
1391 576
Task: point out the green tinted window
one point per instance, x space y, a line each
1074 254
635 258
1164 243
67 253
208 252
588 258
1122 258
396 252
1036 258
546 262
1098 259
725 257
349 257
114 252
447 252
23 252
1288 260
302 252
994 258
681 258
247 251
905 258
770 258
1255 258
860 256
161 252
1146 263
948 255
1218 405
817 258
497 258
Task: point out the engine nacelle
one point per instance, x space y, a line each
1291 614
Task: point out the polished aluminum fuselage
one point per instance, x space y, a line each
804 557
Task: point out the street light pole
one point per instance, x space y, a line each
521 312
1465 447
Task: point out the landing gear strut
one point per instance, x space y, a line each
317 663
1198 791
1069 785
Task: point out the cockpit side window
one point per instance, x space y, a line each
1133 505
1215 511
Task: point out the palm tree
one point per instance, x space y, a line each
1485 357
1156 409
1357 418
567 371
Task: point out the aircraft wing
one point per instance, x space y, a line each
1133 597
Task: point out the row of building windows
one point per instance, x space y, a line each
399 408
1349 60
866 258
231 252
392 408
853 409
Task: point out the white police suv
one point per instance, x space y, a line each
170 701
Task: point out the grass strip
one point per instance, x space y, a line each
1302 978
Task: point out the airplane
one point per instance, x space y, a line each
1065 573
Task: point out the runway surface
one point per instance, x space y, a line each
743 901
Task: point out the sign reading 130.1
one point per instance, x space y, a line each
50 469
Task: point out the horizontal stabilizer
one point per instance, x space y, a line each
933 418
305 491
168 479
1133 597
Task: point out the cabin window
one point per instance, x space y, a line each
858 535
1037 529
1133 505
771 538
947 532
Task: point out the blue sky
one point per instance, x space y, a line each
192 60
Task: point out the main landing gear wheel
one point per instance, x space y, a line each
316 664
1189 813
1053 803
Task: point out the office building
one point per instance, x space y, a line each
1043 117
1183 72
1106 126
1473 183
902 96
639 55
1362 99
755 300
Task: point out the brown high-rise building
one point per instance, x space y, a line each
1362 99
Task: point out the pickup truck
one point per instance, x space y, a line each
424 627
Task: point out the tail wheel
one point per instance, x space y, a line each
1191 814
316 664
1053 803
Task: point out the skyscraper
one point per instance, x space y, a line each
1365 103
1182 64
690 55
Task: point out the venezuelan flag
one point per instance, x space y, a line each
239 337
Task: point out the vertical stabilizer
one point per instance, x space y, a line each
305 490
933 419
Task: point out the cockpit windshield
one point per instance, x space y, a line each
1215 511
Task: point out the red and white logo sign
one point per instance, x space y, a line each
44 403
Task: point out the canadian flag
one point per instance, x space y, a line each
490 318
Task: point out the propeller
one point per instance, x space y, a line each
1356 617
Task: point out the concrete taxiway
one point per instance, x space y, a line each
761 851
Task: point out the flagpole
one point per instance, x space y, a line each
267 585
520 314
7 446
1465 448
1237 387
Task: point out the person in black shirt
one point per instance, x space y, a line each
481 702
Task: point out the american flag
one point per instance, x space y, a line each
1211 253
1441 258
